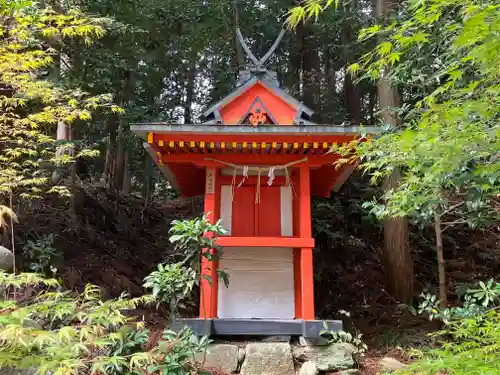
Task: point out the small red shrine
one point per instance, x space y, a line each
257 159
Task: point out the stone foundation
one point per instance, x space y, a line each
280 358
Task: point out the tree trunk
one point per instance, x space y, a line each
62 132
71 133
397 254
190 80
109 168
352 100
311 70
107 163
352 97
443 295
331 80
117 135
126 175
119 164
147 179
295 62
371 106
239 54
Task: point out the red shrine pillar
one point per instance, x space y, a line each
303 257
208 290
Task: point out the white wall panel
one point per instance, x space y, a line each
260 284
226 207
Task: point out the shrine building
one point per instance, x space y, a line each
257 159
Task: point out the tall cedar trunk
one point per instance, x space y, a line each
295 62
331 80
108 160
119 159
63 131
71 133
311 70
352 97
397 254
443 297
148 178
352 100
126 185
371 106
190 78
55 75
113 123
119 163
239 54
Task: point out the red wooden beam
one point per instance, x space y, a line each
306 257
209 288
307 283
249 138
249 159
265 242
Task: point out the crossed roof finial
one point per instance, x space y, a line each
259 63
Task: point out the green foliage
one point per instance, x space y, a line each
59 332
31 105
65 333
471 348
475 301
42 254
194 236
448 148
194 239
171 283
309 9
334 337
469 340
177 351
135 341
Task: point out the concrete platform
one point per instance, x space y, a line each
257 327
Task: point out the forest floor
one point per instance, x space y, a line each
115 242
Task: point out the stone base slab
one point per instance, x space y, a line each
257 327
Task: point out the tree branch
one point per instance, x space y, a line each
453 223
450 209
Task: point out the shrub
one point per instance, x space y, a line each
193 239
472 347
476 300
42 254
177 352
171 283
470 338
334 337
61 333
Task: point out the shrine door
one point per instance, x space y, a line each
261 279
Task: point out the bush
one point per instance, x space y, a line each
171 283
193 239
471 347
470 338
476 300
59 332
42 254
